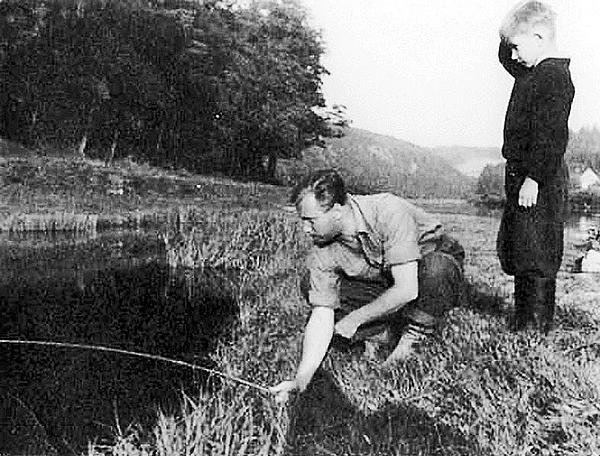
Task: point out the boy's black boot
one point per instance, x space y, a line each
523 305
544 303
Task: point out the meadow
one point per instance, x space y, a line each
476 388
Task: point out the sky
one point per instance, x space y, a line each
426 71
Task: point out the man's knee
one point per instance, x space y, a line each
439 269
448 245
440 284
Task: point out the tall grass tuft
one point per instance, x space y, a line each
50 222
231 422
244 241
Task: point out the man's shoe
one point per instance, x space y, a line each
375 342
405 348
371 349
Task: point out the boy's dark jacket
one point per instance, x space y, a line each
530 240
536 128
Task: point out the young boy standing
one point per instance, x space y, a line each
530 239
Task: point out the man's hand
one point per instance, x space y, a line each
528 193
317 336
282 390
346 327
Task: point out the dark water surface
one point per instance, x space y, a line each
575 220
111 290
583 222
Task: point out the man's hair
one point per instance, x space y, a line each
527 15
326 184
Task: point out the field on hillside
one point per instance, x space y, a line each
475 389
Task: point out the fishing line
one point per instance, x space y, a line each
139 355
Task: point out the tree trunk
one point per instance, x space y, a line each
81 147
272 166
84 139
33 124
158 142
80 9
113 147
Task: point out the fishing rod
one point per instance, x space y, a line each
137 354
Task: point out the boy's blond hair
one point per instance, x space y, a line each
526 16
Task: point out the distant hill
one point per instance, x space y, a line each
470 161
373 162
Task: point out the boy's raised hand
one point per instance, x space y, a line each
528 193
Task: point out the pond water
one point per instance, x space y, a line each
577 223
584 222
110 290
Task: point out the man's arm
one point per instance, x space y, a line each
317 336
404 290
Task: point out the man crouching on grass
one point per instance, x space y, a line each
377 261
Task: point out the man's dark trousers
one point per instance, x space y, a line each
441 288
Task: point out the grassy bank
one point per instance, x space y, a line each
476 388
53 194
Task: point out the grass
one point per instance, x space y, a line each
475 389
230 241
49 222
208 424
65 193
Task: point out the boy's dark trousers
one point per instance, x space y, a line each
530 247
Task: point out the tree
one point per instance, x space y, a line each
209 85
491 181
268 86
584 147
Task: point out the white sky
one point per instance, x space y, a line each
426 71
